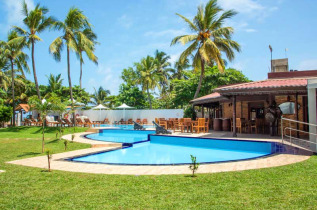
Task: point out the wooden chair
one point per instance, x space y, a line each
239 125
176 124
257 125
106 121
61 122
144 122
156 120
163 123
206 125
185 124
89 123
79 122
138 121
199 125
130 121
68 122
50 122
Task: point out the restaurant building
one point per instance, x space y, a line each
244 107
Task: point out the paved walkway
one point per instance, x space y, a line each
58 162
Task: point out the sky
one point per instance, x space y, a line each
130 30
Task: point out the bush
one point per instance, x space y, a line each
5 114
189 112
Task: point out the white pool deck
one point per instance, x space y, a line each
58 161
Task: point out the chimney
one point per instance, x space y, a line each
280 65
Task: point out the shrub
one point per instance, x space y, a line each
5 114
194 166
189 112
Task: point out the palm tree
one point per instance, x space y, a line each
179 68
55 83
211 38
72 27
100 96
87 47
11 50
36 22
162 64
149 78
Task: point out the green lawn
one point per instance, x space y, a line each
291 187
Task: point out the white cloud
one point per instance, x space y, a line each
14 15
106 77
174 58
125 21
248 7
250 30
310 64
168 32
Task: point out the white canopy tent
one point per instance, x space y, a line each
100 107
124 107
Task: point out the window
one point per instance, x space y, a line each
288 107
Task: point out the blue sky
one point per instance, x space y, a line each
130 30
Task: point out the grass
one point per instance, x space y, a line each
292 187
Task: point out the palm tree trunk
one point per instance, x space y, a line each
81 73
148 95
34 72
70 85
43 135
13 96
201 78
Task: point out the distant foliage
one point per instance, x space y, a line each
5 114
189 112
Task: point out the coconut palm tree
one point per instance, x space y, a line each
36 22
55 83
100 96
87 47
148 76
210 40
179 68
162 69
71 28
11 50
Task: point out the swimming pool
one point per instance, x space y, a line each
120 136
124 127
173 150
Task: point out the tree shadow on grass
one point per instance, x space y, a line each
47 130
53 141
14 129
28 154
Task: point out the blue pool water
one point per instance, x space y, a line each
125 127
167 150
120 136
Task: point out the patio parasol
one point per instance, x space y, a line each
124 107
100 107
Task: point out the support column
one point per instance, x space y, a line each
202 111
296 114
234 134
271 124
311 92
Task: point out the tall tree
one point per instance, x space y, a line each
55 83
72 27
210 40
86 47
179 68
100 96
162 69
12 51
36 22
148 76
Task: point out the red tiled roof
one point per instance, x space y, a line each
208 97
271 83
25 107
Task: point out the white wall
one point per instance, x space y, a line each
116 115
311 92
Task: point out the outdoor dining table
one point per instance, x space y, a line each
189 125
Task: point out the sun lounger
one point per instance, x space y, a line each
160 129
137 126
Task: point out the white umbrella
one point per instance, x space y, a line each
100 107
124 107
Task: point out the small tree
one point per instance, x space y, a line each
194 166
43 107
5 114
49 155
65 144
